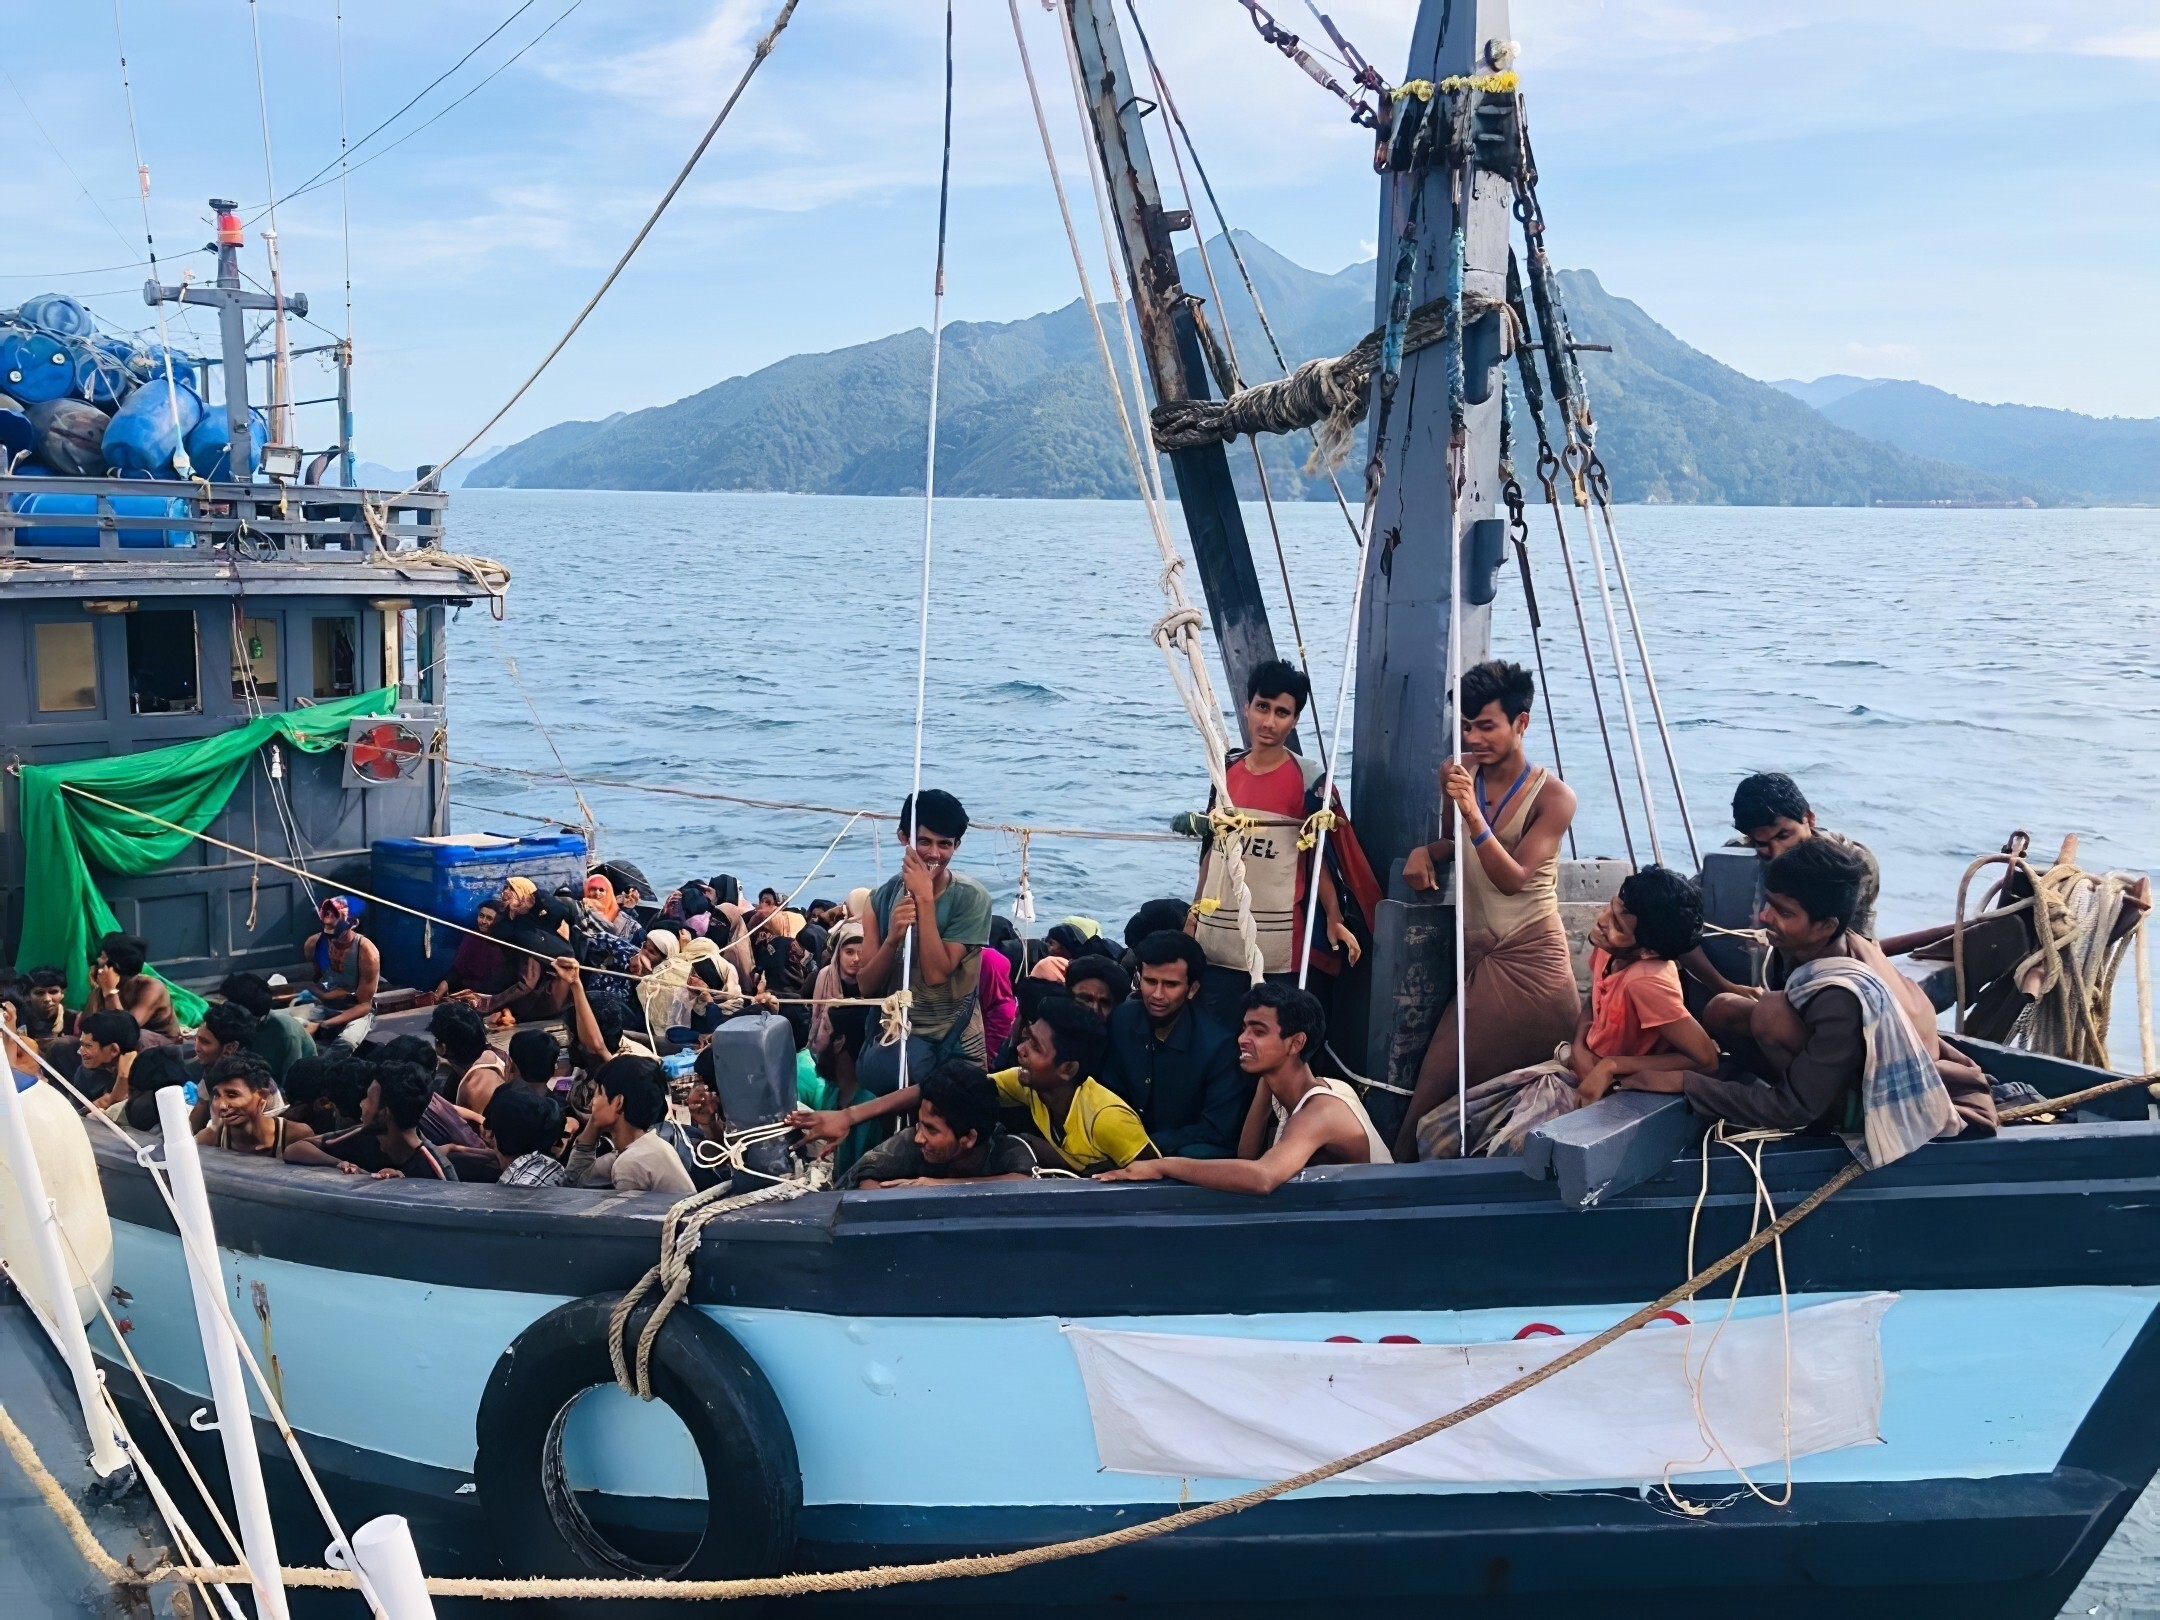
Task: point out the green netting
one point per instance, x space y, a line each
65 834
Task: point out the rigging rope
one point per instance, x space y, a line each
1177 632
181 464
757 60
281 367
922 609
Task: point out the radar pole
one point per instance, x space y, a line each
232 302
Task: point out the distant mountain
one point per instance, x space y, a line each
1025 411
374 475
1823 390
2100 460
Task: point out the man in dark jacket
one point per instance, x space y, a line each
1171 1061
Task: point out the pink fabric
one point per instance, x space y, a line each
994 991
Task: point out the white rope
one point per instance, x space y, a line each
345 456
922 606
1547 465
1612 634
1177 632
281 372
181 464
1642 653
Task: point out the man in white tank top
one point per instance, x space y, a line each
1297 1118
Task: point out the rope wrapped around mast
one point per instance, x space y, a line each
1330 395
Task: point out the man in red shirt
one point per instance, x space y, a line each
1277 791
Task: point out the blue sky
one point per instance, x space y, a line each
1962 191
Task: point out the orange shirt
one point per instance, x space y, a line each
1630 1004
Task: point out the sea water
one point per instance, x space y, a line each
1935 680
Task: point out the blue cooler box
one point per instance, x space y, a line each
448 877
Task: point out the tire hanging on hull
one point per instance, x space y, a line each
701 1372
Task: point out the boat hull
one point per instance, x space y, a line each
2013 1435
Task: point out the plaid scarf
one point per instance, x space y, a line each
1903 1102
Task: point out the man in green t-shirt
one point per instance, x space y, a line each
278 1038
941 918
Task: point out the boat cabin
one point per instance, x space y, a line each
138 615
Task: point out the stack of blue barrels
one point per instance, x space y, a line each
79 402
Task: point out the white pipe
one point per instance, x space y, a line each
43 1224
384 1553
235 1421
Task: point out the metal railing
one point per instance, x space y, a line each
266 519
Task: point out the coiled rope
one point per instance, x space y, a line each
1330 395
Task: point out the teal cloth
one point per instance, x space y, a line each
64 834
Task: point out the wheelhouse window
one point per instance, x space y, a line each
163 666
255 661
337 657
66 666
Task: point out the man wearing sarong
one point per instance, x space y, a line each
1274 794
1518 979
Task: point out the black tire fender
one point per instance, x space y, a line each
753 1480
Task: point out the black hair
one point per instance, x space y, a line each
112 1028
1278 677
339 1081
1667 909
1497 681
534 1054
934 811
641 1084
232 1066
1103 971
522 1121
417 1050
25 1014
461 1030
963 1096
406 1088
1031 993
249 990
1156 917
1765 797
1003 933
46 978
1297 1012
1167 945
1076 1034
125 952
306 1082
1822 878
159 1069
768 889
1069 935
230 1022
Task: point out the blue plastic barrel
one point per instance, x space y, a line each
58 314
209 439
66 504
102 376
141 437
16 433
149 360
71 437
35 365
449 877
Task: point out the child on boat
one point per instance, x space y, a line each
1083 1125
1635 1031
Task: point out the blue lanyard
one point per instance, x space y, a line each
1492 816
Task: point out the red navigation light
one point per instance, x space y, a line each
228 229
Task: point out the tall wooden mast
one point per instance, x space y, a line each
1169 338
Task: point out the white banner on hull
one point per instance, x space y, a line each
1226 1408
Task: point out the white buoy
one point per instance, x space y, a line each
31 1242
235 1421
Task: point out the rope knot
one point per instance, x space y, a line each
1319 820
893 1017
1173 627
1228 819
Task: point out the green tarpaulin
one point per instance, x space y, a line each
65 835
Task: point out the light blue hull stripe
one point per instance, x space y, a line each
949 1412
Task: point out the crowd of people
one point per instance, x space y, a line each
568 1042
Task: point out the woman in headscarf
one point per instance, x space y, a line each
604 910
836 979
785 969
692 977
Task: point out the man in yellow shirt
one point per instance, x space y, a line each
1083 1124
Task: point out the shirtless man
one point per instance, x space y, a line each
1519 976
1324 1123
118 983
